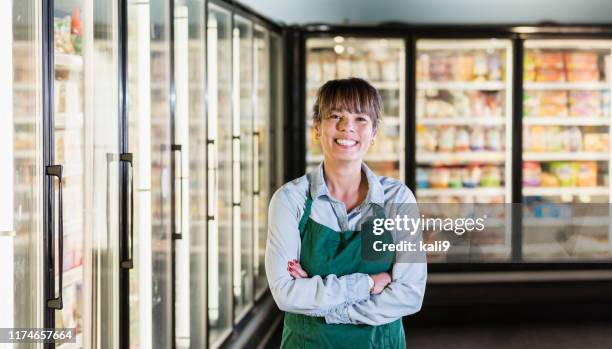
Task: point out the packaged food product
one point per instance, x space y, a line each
532 174
587 174
328 62
493 139
62 36
494 63
548 180
455 180
422 178
477 139
462 139
531 103
447 138
389 70
549 60
596 142
608 68
480 67
585 103
529 66
313 68
550 75
566 172
574 139
583 75
490 177
580 59
552 103
373 68
344 67
473 176
464 67
440 177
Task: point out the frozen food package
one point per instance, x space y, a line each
422 67
553 103
490 177
493 139
529 66
531 103
607 67
481 68
587 174
585 103
454 180
328 63
494 63
447 138
462 139
464 69
583 75
532 174
477 139
596 142
581 60
566 172
440 177
422 178
549 60
550 75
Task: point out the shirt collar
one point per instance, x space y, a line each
375 195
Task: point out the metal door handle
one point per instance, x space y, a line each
56 302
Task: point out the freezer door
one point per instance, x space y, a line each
86 145
21 160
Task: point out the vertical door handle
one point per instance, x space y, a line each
256 173
178 234
56 302
128 262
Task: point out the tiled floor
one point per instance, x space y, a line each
597 335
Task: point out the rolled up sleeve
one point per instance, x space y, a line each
313 296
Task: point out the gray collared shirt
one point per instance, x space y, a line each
345 299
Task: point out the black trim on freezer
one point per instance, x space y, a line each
48 73
516 250
173 175
124 274
410 114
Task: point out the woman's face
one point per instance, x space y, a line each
345 136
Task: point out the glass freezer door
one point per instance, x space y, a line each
85 132
566 150
219 168
21 160
464 135
189 174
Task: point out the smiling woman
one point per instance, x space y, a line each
332 297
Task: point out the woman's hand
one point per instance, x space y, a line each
295 269
381 280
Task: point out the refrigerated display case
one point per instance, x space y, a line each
380 61
566 149
463 140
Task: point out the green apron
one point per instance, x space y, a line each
325 251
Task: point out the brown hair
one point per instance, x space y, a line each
354 95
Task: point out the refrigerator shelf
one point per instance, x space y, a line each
379 85
566 121
368 158
470 45
560 222
566 156
460 192
461 157
463 120
565 191
566 85
462 85
68 62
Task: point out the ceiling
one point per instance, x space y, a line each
434 11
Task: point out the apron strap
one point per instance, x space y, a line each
305 216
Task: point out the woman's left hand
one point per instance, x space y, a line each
295 269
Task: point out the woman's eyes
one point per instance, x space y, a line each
359 118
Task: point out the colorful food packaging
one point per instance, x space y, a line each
587 174
532 174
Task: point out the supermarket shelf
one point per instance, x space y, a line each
462 44
462 85
380 85
461 157
68 62
566 156
368 157
566 86
560 191
560 222
566 120
460 192
464 120
24 154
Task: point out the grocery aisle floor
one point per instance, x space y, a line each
596 335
